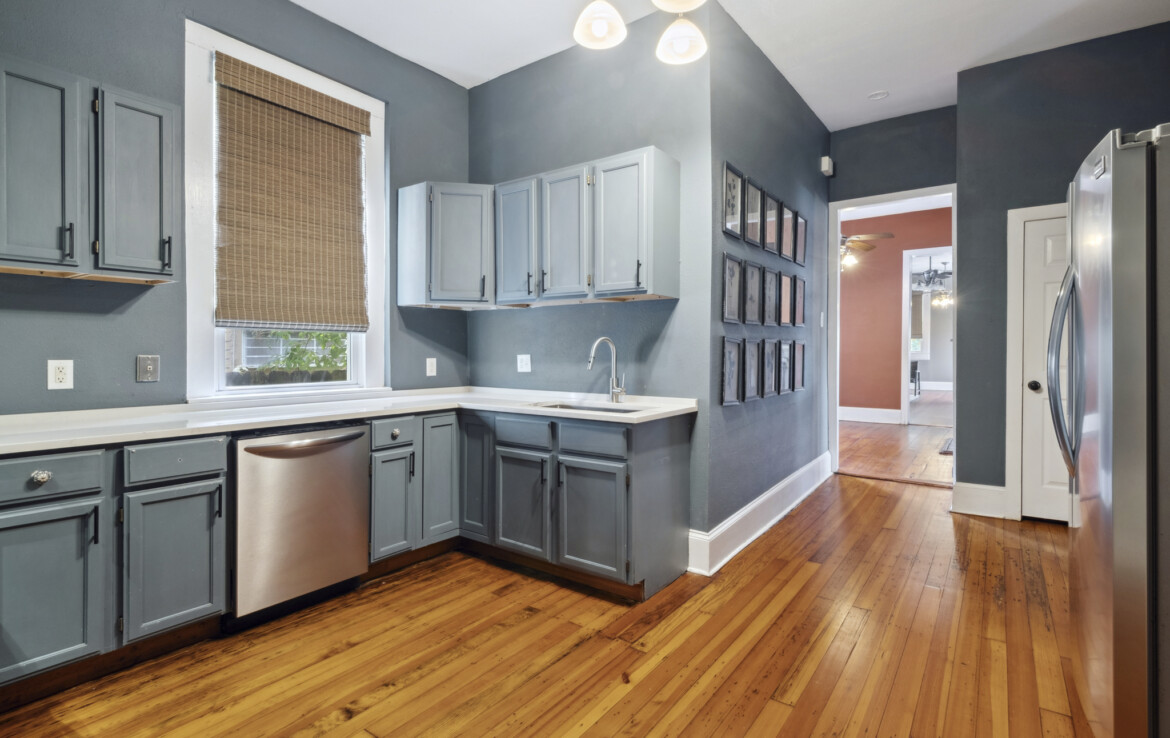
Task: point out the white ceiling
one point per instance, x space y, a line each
834 52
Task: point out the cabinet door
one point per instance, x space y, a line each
440 496
42 187
565 229
522 502
478 489
591 516
137 184
174 556
621 213
52 586
516 242
392 502
461 243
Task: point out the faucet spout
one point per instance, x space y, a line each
615 390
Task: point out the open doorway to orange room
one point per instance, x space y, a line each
893 390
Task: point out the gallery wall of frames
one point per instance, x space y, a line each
765 289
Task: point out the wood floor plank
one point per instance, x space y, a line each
1024 698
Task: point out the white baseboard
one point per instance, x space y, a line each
710 551
980 499
939 386
869 415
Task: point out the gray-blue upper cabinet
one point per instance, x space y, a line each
174 556
523 499
591 516
565 232
446 252
137 204
517 242
394 498
43 139
440 493
53 586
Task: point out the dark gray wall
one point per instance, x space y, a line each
1024 126
762 126
904 153
138 45
571 108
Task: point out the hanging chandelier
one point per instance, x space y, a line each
600 26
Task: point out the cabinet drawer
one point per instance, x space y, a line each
389 432
66 474
512 431
598 439
174 459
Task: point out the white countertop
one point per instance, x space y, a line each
46 431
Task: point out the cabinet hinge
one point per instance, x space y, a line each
97 246
121 515
627 481
589 179
371 467
431 196
121 625
588 280
97 105
627 566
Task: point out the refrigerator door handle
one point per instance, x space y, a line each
1064 299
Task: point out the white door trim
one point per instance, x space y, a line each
833 317
1013 464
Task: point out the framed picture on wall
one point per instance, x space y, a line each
785 299
771 297
770 381
785 370
732 289
732 201
797 301
801 238
771 224
753 278
751 370
732 361
798 365
753 227
788 234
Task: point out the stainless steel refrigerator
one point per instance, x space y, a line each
1113 423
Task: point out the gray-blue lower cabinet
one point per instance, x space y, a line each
393 495
53 598
523 496
591 515
440 492
174 557
477 453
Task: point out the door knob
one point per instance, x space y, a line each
1034 386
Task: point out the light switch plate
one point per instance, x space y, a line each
148 367
523 362
432 366
60 374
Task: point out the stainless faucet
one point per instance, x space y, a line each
615 391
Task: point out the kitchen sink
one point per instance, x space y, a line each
599 408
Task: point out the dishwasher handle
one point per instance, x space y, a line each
305 447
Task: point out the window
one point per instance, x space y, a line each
256 321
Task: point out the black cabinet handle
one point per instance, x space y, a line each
412 464
543 472
482 285
530 283
543 281
638 274
219 501
96 523
68 237
167 252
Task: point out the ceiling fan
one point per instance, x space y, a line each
931 278
849 244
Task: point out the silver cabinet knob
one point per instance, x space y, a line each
40 476
394 434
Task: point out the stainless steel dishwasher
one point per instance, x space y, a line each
302 514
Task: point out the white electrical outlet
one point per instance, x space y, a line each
60 374
432 366
523 362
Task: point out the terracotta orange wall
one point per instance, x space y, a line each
871 306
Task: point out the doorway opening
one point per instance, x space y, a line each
891 364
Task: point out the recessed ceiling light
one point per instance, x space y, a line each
879 95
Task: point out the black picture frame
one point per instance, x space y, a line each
801 239
797 366
770 362
788 233
732 373
753 214
753 293
784 370
771 297
798 301
771 224
785 299
751 370
732 289
732 189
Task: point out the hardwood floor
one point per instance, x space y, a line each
895 452
933 407
869 610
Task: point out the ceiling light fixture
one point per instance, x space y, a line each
942 299
678 6
878 95
681 43
599 26
847 257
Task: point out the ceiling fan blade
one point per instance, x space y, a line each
871 236
860 245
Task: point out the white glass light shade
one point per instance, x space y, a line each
678 6
849 259
599 26
681 43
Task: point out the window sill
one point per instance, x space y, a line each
295 395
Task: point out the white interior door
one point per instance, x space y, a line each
1045 482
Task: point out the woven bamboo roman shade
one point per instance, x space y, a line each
290 246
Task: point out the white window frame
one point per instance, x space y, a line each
205 350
